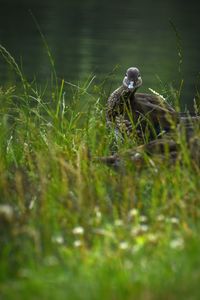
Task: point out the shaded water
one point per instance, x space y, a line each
93 37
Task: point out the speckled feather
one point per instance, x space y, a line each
128 111
123 104
116 102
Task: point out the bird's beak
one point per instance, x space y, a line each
131 85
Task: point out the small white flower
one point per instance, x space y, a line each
143 219
57 239
177 243
174 220
77 243
139 229
123 245
25 146
152 237
133 212
137 155
97 212
7 212
78 230
144 228
135 231
49 124
160 218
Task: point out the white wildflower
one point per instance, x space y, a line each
160 218
152 237
77 243
123 245
133 212
139 229
144 228
58 239
177 243
143 219
97 212
135 231
49 124
6 212
78 230
174 220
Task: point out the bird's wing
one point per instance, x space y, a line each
115 104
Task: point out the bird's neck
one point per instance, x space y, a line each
127 91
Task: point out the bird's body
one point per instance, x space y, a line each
127 109
147 115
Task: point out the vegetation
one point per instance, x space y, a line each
72 227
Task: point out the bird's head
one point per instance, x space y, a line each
132 79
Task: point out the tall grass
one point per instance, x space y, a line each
72 227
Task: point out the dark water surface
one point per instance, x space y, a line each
93 37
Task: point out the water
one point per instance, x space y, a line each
93 37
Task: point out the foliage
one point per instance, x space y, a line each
72 227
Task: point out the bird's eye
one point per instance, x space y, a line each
139 75
126 74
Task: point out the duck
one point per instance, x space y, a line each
129 111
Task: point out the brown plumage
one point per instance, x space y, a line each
127 109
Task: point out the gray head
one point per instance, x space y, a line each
132 79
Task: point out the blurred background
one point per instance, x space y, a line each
93 37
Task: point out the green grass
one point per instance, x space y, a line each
74 228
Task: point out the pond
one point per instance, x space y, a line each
94 37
